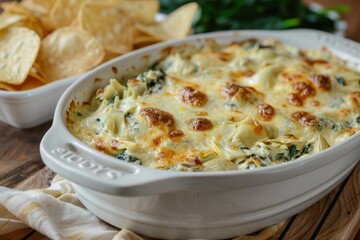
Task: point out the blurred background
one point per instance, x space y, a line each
339 16
352 17
273 14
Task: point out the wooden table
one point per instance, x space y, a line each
336 216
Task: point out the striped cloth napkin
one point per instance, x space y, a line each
57 213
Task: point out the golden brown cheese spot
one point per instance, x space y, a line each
168 157
304 118
194 159
100 145
258 129
292 76
239 74
166 154
200 124
157 117
304 89
312 62
132 82
321 81
229 90
232 89
98 91
114 144
266 111
355 98
289 136
315 103
201 113
232 119
175 134
156 141
225 57
294 99
192 97
345 112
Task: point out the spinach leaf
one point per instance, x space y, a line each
292 151
341 81
125 156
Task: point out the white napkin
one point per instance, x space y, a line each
57 213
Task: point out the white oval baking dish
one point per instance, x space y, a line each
26 109
208 205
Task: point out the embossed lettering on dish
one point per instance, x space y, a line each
84 164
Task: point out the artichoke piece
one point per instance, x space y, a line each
265 78
178 65
135 88
248 132
219 165
113 89
280 149
153 79
320 144
222 143
115 122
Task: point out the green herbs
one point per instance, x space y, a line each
125 156
279 156
341 81
260 14
230 104
306 149
186 167
340 126
111 100
154 80
244 148
323 123
292 151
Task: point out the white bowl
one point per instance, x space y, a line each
210 205
26 109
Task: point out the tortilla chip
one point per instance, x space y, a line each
65 11
143 11
110 25
7 20
19 47
67 52
177 25
29 19
141 37
7 87
41 6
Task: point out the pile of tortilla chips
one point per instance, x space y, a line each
46 40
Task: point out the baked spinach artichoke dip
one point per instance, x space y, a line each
239 106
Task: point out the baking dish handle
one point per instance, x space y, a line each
69 159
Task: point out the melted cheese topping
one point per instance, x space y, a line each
240 106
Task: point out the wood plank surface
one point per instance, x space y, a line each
19 153
336 216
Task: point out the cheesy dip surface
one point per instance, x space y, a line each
224 107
